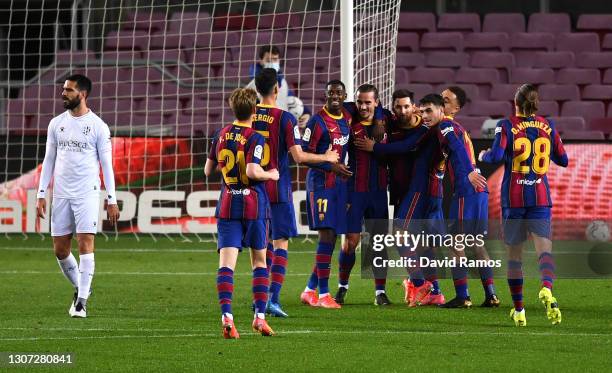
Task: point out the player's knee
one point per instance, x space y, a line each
61 246
86 243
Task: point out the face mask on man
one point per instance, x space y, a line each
272 65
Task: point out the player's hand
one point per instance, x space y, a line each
340 169
113 213
41 207
366 144
331 155
378 131
477 180
274 175
481 154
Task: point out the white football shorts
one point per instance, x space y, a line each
70 215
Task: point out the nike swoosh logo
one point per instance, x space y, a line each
332 129
358 132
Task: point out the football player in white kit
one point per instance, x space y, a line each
78 141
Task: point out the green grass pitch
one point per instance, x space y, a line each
154 308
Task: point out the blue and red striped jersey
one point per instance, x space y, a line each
241 198
457 144
369 173
400 166
281 132
322 130
527 145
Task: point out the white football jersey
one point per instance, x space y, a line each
78 141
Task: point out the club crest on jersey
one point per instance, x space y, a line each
86 130
61 129
321 216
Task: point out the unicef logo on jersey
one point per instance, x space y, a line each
341 141
237 192
86 130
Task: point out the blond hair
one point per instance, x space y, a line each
243 102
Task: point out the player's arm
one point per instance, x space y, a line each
406 145
458 148
254 171
105 155
557 154
496 153
211 161
47 172
310 140
291 132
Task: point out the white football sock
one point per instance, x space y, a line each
379 292
87 265
70 269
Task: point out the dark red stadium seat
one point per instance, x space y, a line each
471 90
578 42
548 108
559 92
170 56
595 22
408 41
68 57
432 75
279 21
401 76
127 56
486 41
607 78
554 60
503 92
586 109
524 45
504 22
472 124
147 21
442 41
597 60
521 75
477 75
127 40
409 59
446 59
168 41
606 44
578 76
326 19
583 135
568 123
497 60
600 124
189 23
240 20
462 22
419 90
597 92
554 23
490 108
418 22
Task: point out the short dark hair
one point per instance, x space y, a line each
462 97
432 98
243 102
402 93
526 98
335 82
265 81
83 83
272 49
368 88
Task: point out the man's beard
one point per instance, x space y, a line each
72 104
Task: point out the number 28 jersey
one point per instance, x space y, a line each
242 198
527 145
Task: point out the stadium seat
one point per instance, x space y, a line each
606 44
594 22
471 90
462 22
521 75
127 40
601 124
609 115
607 78
432 75
145 21
189 23
472 124
578 76
548 108
420 90
122 56
235 21
568 123
446 59
583 135
68 57
597 92
401 76
167 41
586 109
577 42
525 44
555 23
486 41
409 59
169 56
490 108
597 60
36 91
553 60
503 92
442 41
418 22
326 19
408 41
477 75
498 60
504 22
559 92
216 40
279 21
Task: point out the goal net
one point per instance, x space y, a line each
161 73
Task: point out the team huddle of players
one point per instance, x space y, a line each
356 153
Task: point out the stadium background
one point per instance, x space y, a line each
162 69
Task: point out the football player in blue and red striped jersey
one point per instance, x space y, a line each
367 191
468 211
326 188
282 135
243 210
527 142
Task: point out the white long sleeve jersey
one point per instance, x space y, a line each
76 147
